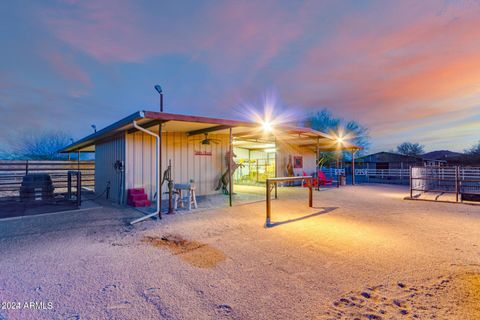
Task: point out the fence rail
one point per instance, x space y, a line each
467 175
363 175
13 171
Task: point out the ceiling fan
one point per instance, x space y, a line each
207 141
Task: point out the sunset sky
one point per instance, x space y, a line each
408 70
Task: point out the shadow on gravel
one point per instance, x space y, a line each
325 210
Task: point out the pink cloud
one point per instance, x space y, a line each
222 34
388 65
106 30
398 67
67 68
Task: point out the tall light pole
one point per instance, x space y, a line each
159 90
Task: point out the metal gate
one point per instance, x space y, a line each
463 182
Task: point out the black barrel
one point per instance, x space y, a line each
37 187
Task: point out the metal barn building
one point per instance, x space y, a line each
197 149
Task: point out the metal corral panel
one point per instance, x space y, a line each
190 160
106 154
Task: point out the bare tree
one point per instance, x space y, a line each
33 145
410 149
474 150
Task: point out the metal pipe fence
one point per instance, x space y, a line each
464 182
363 175
271 183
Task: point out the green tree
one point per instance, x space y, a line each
353 131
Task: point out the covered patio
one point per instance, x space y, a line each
135 152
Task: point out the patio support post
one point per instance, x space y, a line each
338 169
230 159
317 163
159 178
276 166
353 166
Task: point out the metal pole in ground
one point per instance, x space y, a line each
353 167
159 181
411 185
276 166
457 184
338 169
69 185
78 160
310 194
317 167
230 159
79 188
269 205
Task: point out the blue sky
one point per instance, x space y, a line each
408 70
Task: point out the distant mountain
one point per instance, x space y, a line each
441 155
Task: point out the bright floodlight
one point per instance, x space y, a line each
267 126
158 88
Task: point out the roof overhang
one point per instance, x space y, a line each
195 125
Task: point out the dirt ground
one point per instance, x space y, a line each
362 252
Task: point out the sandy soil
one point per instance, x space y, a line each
361 253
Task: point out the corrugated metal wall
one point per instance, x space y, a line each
285 151
205 170
106 154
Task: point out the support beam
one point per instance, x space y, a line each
207 130
353 167
338 169
253 134
230 159
276 168
159 195
317 162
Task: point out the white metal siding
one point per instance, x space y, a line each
308 160
106 153
180 149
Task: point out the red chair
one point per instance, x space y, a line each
322 179
307 182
